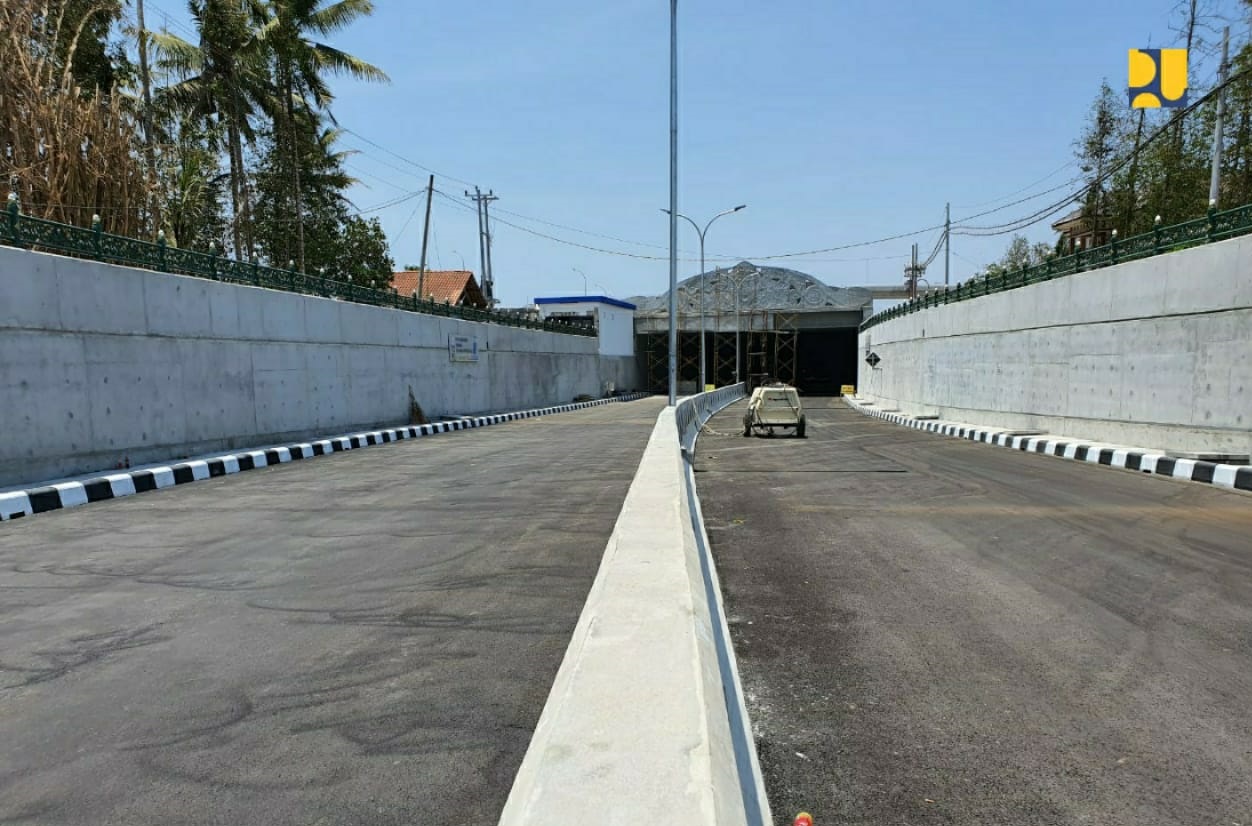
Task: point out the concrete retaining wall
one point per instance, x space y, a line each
1154 353
101 364
644 723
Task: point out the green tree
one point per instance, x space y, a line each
364 254
338 244
301 66
193 182
1097 151
225 79
1020 253
1237 154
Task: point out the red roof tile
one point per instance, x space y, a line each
451 286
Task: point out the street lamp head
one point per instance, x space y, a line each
741 206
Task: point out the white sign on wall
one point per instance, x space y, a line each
463 348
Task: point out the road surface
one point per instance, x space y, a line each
364 638
934 631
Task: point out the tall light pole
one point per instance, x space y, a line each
673 202
702 233
584 275
738 285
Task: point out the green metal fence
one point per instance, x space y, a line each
26 232
1215 226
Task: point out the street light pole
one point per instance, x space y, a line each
702 233
738 285
584 275
673 203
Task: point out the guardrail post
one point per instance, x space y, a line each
1025 270
161 250
1212 225
14 211
1156 236
95 236
256 273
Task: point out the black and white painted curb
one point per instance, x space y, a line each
1234 477
15 504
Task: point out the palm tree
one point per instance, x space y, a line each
224 77
301 66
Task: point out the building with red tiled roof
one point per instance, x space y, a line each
456 287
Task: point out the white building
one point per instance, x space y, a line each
614 319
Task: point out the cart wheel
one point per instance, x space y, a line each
800 428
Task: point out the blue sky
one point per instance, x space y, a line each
836 122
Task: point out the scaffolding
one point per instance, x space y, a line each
762 303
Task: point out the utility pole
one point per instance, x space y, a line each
490 290
947 241
482 251
421 273
484 239
1215 183
913 275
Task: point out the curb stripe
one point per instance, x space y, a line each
19 503
1233 477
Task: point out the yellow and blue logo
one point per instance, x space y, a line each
1158 77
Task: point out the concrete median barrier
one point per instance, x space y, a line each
645 723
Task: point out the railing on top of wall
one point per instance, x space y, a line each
1215 226
27 232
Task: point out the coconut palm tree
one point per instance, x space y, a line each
302 64
225 77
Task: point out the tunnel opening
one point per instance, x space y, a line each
826 359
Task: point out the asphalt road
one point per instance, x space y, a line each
367 637
933 631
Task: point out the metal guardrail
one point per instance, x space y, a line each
694 411
27 232
1215 226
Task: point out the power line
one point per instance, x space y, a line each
1029 186
426 169
532 218
169 19
408 221
623 253
384 181
388 204
587 232
1022 223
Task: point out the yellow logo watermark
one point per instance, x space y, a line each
1158 77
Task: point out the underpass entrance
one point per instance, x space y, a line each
825 360
758 322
